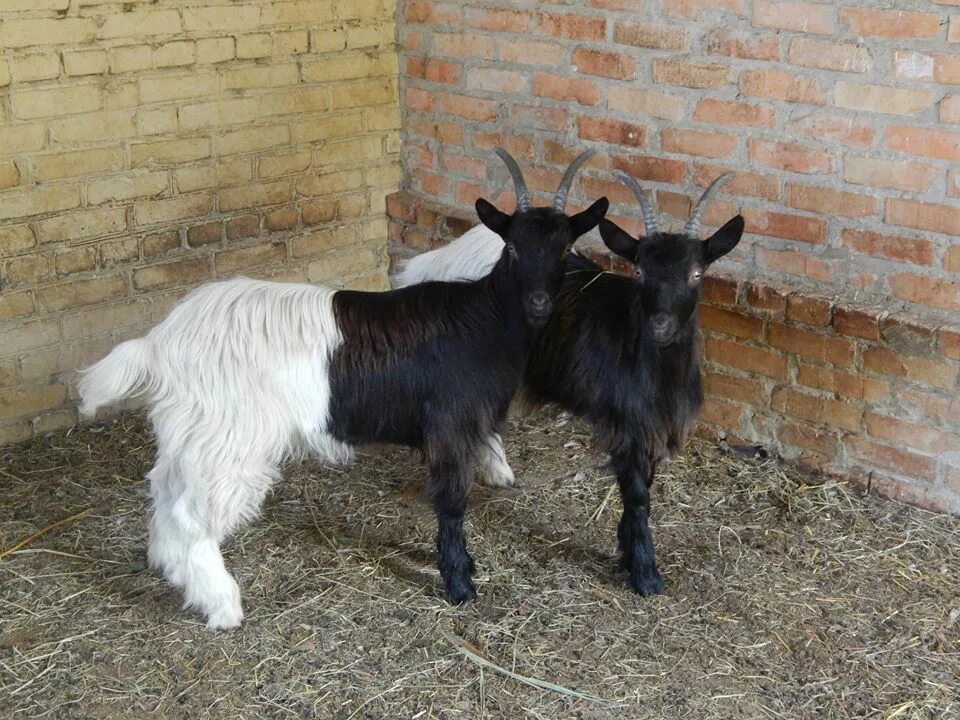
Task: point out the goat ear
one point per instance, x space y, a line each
490 216
587 220
723 240
618 240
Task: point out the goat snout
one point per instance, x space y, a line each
539 304
663 326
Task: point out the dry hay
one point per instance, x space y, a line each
786 599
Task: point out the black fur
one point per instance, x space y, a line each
435 366
621 353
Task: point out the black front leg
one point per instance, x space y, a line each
635 476
449 487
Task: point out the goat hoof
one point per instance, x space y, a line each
647 583
461 591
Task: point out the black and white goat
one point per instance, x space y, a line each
244 373
618 351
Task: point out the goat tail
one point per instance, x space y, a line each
470 257
125 372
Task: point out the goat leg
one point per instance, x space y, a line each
635 476
449 487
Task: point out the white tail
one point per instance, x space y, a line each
123 373
470 257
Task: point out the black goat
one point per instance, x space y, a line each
621 353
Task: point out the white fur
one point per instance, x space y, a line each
237 380
470 257
492 467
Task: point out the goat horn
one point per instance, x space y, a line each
560 199
519 184
693 224
649 213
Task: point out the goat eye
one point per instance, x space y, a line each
697 274
512 250
638 272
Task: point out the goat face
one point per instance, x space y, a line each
537 242
669 268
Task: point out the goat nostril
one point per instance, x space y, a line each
539 300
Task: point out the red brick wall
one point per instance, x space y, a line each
835 340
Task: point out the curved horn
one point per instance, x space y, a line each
560 198
649 213
519 184
693 224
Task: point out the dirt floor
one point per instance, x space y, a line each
786 599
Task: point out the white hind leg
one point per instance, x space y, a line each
492 467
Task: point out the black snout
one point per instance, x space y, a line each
663 327
539 305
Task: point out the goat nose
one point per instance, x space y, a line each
539 301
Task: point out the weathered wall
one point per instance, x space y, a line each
829 339
147 147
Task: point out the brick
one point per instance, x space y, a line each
793 263
25 269
890 23
169 152
829 201
697 142
297 42
206 234
809 310
80 162
948 343
93 127
791 227
692 9
363 93
777 85
730 322
555 87
787 156
841 57
647 35
349 66
87 62
842 385
175 54
653 169
834 128
701 75
604 64
882 98
15 33
78 293
330 183
259 76
811 344
743 183
214 50
951 259
19 402
130 58
848 321
539 117
178 87
917 251
795 16
814 409
634 101
616 132
498 20
119 251
15 239
140 23
766 297
741 44
532 52
68 261
327 127
82 225
718 412
197 116
730 112
333 267
883 456
933 292
799 434
25 138
937 408
126 187
745 357
572 27
38 201
232 261
896 174
285 163
253 138
458 45
942 144
9 174
176 273
946 69
37 66
953 183
254 196
432 13
50 102
745 390
15 304
913 65
495 80
257 45
284 218
929 372
923 216
950 109
182 207
242 227
220 174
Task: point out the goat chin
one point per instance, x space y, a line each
470 257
